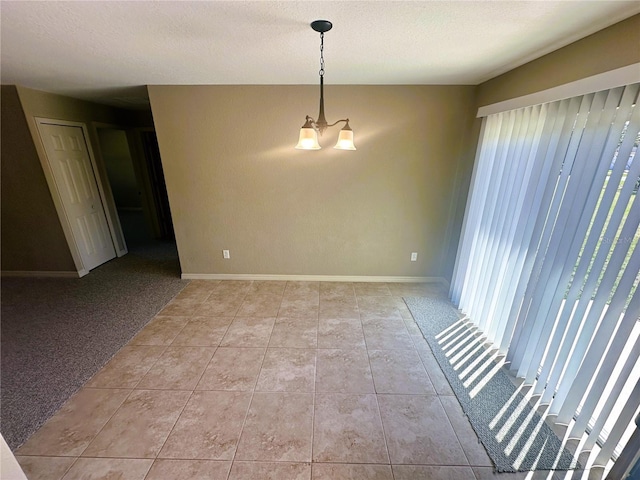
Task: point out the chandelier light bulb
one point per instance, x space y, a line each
308 139
345 139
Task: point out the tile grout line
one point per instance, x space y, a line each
315 388
375 389
253 391
384 432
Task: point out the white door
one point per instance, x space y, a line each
76 183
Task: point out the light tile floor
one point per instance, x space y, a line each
267 380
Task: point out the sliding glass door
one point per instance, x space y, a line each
548 265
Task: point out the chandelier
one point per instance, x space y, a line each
309 132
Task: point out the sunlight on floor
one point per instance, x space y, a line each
460 342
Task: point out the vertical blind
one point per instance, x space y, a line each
548 264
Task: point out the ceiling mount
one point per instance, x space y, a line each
321 26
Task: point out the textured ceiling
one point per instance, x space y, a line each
106 50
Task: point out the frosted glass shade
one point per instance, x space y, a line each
308 139
345 140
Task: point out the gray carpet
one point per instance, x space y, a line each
514 436
56 333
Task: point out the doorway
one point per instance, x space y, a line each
134 171
160 198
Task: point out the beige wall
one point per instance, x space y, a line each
32 238
236 182
614 47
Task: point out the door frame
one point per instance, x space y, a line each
65 223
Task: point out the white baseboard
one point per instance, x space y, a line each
34 274
312 278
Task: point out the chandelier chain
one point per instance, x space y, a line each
321 54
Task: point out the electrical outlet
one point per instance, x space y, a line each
414 256
225 254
